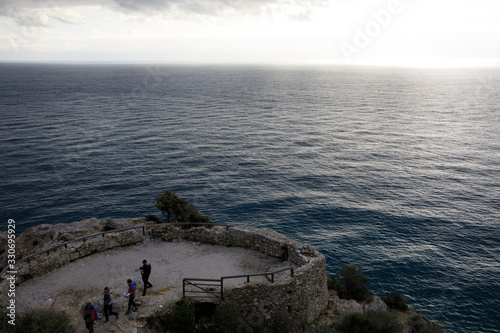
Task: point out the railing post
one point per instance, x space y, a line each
272 278
143 230
221 288
183 288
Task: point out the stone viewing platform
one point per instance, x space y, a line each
68 276
83 280
64 266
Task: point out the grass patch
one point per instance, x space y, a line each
35 320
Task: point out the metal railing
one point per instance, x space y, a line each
204 288
214 288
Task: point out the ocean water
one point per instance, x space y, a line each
393 170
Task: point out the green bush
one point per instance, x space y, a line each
37 320
395 301
158 322
350 283
382 321
379 321
176 209
108 224
180 318
153 218
355 323
228 317
63 238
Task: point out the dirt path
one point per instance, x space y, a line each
84 280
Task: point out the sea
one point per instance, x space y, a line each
393 170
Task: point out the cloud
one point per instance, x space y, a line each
31 19
27 12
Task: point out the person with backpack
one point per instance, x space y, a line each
90 315
145 272
131 295
108 304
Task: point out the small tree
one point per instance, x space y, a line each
350 283
176 209
108 224
168 204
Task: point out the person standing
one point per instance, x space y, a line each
145 272
108 304
131 295
90 315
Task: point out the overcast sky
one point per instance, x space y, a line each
398 32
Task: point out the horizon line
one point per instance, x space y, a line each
250 63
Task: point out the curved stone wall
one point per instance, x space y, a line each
294 299
54 258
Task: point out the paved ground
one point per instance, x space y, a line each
84 280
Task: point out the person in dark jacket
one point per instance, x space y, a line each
90 315
108 304
145 272
131 295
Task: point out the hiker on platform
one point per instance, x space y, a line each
131 295
108 304
90 315
145 272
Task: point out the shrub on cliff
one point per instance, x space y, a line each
41 320
350 283
382 321
176 209
228 317
395 301
378 321
152 218
355 323
181 319
108 224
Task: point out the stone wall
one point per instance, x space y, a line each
55 258
293 300
289 301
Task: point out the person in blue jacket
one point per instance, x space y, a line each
131 295
90 315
